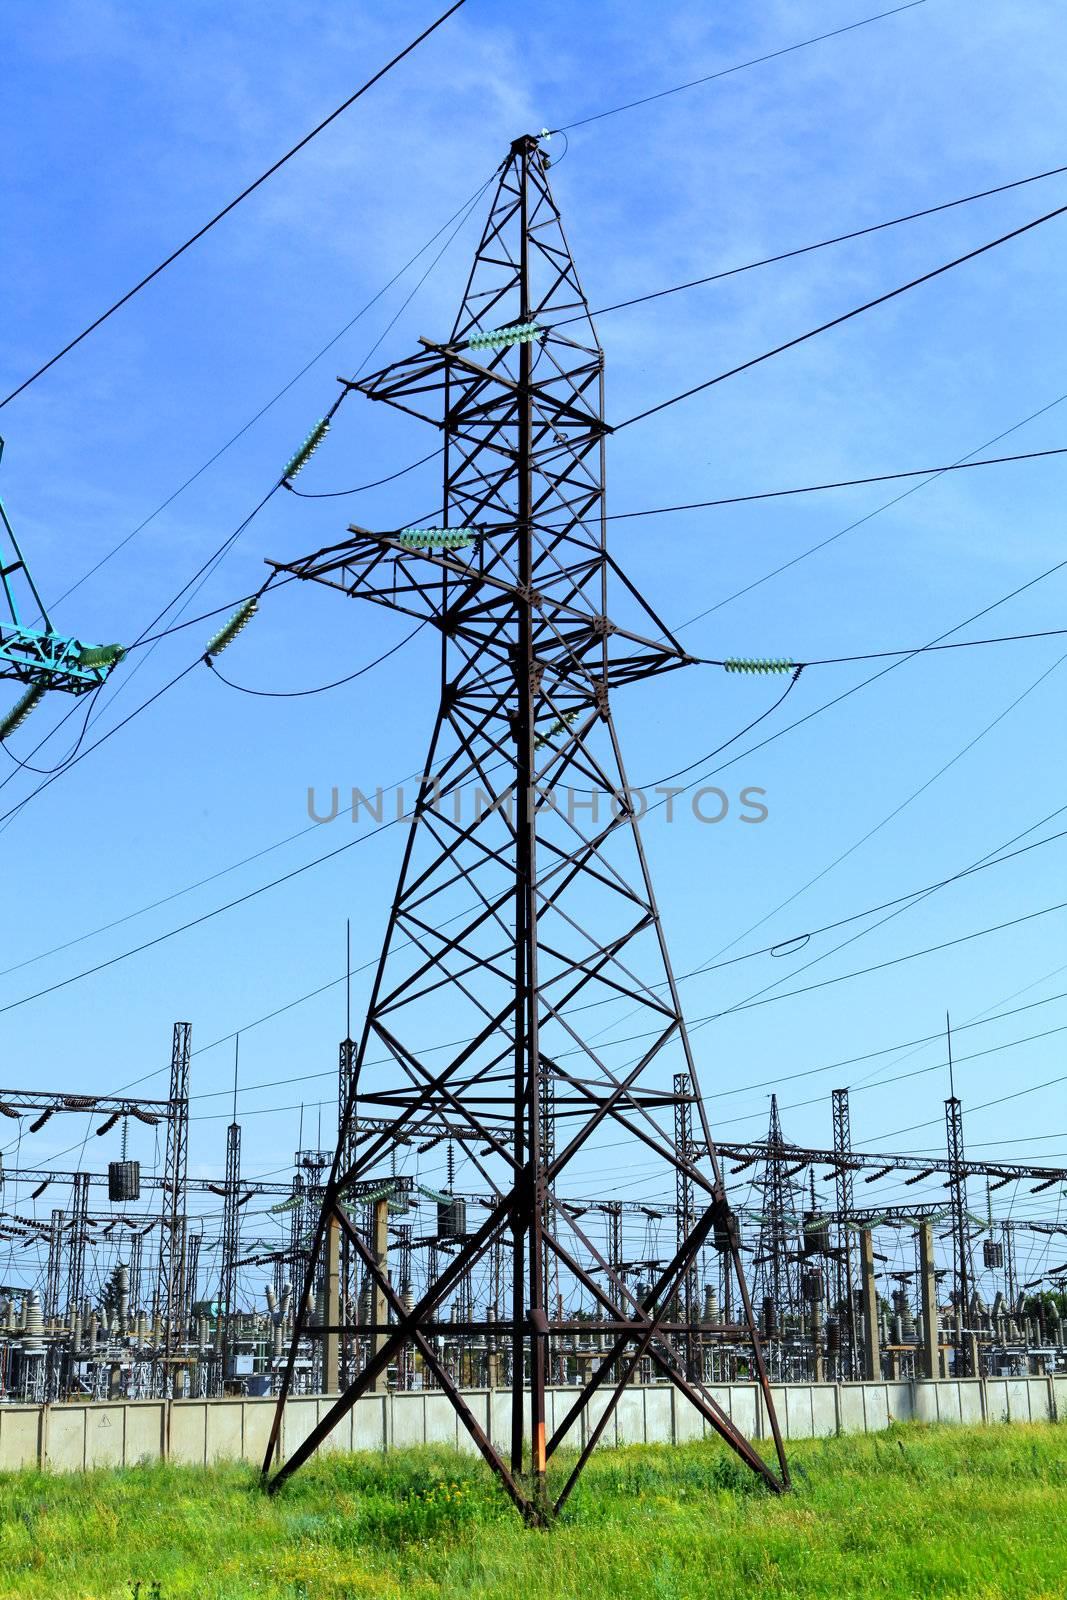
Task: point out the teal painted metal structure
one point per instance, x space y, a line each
40 657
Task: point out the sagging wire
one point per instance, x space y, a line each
339 494
295 694
709 755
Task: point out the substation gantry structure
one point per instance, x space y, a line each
68 1235
793 1238
513 915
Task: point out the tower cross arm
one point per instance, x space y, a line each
379 567
410 384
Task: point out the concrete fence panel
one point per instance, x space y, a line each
20 1437
743 1404
899 1400
592 1415
1040 1394
875 1407
369 1423
299 1420
340 1439
442 1425
948 1406
256 1418
996 1400
823 1410
972 1409
64 1439
686 1421
145 1437
852 1414
630 1422
74 1437
222 1431
659 1422
408 1420
559 1402
1059 1398
797 1420
1018 1391
105 1436
187 1440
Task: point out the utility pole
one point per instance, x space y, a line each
525 814
872 1361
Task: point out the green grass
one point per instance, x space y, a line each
912 1513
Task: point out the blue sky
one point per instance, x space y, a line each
127 126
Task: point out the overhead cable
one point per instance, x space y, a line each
739 66
807 249
836 322
236 201
298 694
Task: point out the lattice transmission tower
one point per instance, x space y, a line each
524 907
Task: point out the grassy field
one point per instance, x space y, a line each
915 1512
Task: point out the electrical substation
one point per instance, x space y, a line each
765 1262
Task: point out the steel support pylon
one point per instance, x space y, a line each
524 915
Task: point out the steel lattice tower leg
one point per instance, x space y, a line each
514 915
